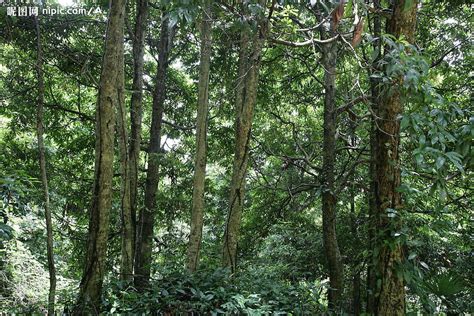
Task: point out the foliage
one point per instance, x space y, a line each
282 269
214 292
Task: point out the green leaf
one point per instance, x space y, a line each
405 122
455 158
407 5
422 139
440 162
348 10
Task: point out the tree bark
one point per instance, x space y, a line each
356 302
356 294
44 177
249 64
136 108
91 285
197 211
390 294
375 96
329 202
126 262
143 256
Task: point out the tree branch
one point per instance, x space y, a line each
305 43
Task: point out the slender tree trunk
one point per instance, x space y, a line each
197 211
375 95
44 177
126 264
91 285
356 303
143 256
249 64
390 297
136 108
331 247
371 278
356 244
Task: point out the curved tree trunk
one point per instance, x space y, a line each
390 294
249 64
44 177
197 211
136 109
143 256
94 270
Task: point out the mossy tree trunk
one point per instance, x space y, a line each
375 95
329 201
136 108
197 212
249 64
43 171
390 289
144 246
126 260
91 285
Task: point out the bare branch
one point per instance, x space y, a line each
305 43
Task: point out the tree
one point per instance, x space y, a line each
246 97
390 291
136 108
197 212
43 171
109 94
372 207
349 109
126 264
143 256
329 201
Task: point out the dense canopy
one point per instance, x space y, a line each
256 157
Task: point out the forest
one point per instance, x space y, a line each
236 157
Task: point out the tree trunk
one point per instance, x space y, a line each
375 95
44 177
331 247
390 296
136 108
91 284
197 212
356 303
126 264
249 64
356 293
143 256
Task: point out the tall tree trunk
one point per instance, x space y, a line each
375 95
126 262
249 64
356 304
94 270
143 256
356 293
44 177
197 211
136 108
331 247
390 296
